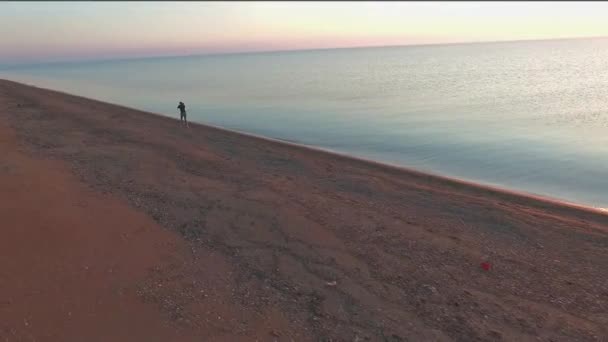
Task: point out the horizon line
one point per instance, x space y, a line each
250 52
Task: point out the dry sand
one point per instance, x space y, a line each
121 225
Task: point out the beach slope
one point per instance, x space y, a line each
122 225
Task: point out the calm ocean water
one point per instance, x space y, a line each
529 116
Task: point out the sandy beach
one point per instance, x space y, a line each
122 225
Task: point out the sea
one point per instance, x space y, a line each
529 116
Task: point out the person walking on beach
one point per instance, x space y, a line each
182 113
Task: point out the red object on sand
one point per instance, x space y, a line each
486 265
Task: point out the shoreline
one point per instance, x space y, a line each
412 171
543 199
124 224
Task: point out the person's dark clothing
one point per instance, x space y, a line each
182 112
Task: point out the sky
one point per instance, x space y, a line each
39 32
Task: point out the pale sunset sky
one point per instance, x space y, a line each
32 32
